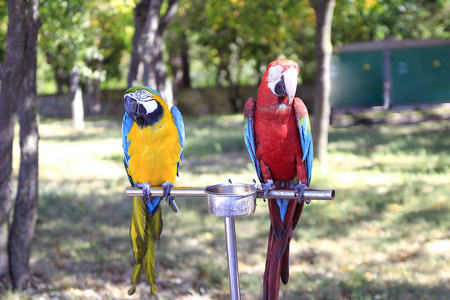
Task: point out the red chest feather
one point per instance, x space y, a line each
278 140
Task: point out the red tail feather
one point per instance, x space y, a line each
275 219
285 265
273 269
277 260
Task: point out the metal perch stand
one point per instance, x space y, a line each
230 201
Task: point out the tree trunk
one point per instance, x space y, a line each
140 15
233 91
60 80
324 14
76 100
150 47
12 69
179 63
93 94
19 88
26 206
183 78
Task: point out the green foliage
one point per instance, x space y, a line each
92 35
3 29
355 21
242 37
229 42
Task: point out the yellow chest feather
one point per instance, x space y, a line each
154 153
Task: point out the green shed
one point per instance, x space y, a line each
421 74
390 72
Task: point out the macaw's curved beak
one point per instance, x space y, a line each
135 110
290 82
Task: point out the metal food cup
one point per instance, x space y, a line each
231 200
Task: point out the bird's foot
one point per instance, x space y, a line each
266 187
300 192
145 186
167 187
256 185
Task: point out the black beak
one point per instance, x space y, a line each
135 110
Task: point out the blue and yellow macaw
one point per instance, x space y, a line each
153 141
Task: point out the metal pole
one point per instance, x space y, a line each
310 194
233 272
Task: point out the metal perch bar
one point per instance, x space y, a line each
229 201
310 194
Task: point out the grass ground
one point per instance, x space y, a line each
386 235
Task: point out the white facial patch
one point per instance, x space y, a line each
150 106
274 76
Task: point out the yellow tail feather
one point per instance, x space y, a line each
153 229
139 246
135 277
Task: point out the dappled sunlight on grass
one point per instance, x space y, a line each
386 235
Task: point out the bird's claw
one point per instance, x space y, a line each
146 193
300 192
266 187
167 187
256 185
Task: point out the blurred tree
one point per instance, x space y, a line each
178 50
18 92
241 37
213 43
366 20
68 41
85 40
3 30
234 41
324 15
179 61
151 19
112 23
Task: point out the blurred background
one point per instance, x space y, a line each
385 236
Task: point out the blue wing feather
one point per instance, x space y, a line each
178 119
126 126
304 127
250 142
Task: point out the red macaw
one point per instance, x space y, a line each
278 136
